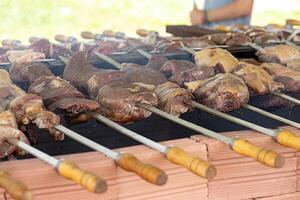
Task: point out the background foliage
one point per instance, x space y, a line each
23 18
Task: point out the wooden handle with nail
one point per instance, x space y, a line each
13 187
88 35
148 172
87 180
288 139
264 156
194 164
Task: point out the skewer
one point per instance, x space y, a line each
284 96
275 117
126 161
34 61
8 42
67 169
291 139
172 153
294 100
239 145
295 32
292 44
15 188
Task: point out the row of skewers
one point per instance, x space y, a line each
110 42
124 97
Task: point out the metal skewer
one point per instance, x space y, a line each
67 169
15 188
34 61
275 117
293 141
295 32
240 146
126 161
291 99
174 154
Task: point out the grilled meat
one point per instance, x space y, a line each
180 71
294 64
227 39
224 92
156 62
91 78
49 49
144 75
24 56
287 76
220 59
27 73
9 129
238 39
29 109
173 99
281 54
58 94
118 97
257 79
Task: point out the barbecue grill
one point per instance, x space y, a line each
155 127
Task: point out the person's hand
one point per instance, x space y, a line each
197 17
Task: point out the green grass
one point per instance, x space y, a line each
23 18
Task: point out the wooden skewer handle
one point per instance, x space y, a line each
148 172
8 42
13 187
33 39
194 164
87 180
288 139
142 32
293 22
264 156
63 38
88 35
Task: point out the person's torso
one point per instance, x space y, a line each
213 4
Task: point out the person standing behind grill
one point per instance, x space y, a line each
222 12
